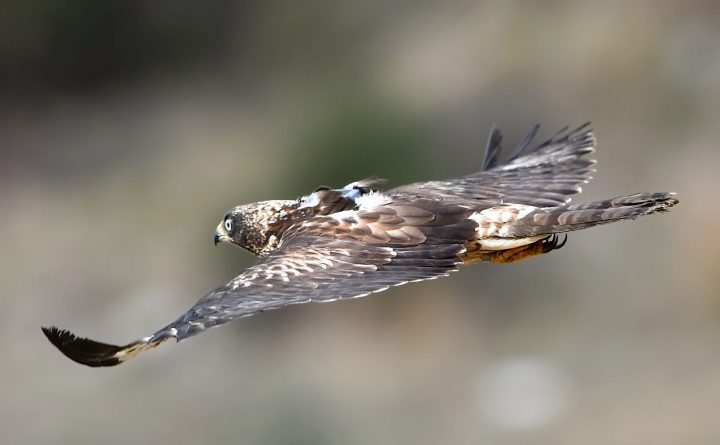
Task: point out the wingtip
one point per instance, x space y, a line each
85 351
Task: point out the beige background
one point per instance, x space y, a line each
125 134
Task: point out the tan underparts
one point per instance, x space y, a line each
476 255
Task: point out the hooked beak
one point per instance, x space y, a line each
221 235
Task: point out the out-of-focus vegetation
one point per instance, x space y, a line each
128 128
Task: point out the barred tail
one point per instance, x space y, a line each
567 218
92 353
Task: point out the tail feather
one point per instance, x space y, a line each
567 218
92 353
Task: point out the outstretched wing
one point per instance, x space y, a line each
345 255
544 176
317 270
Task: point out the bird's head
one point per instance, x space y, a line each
256 227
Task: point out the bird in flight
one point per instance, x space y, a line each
350 242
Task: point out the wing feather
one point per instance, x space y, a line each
349 254
314 270
544 176
341 256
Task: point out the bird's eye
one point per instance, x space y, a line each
228 225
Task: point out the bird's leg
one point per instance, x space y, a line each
517 253
520 253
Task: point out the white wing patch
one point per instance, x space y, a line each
505 213
492 222
372 199
493 226
337 215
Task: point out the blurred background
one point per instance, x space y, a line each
127 129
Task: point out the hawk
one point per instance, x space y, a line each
343 243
